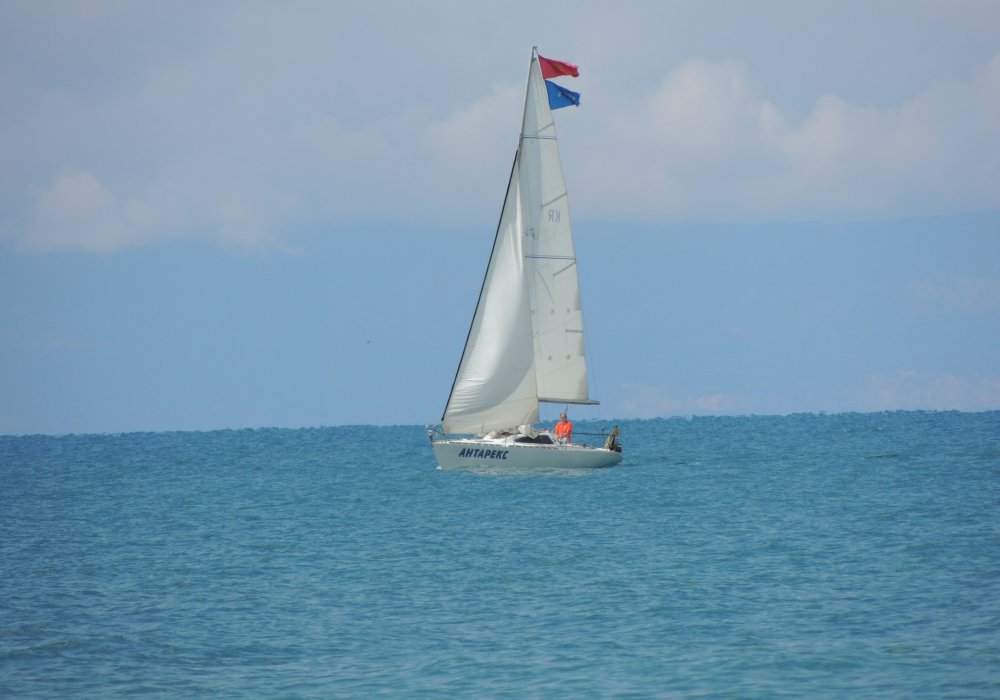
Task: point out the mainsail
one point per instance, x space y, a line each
525 344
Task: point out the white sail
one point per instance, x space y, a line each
553 286
495 385
525 344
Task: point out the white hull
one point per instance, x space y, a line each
504 452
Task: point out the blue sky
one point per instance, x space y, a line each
278 214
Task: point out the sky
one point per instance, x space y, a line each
253 214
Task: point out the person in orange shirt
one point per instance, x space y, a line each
564 429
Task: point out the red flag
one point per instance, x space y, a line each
552 68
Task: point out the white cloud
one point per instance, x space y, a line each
705 143
244 123
469 152
703 110
958 293
639 401
78 211
911 390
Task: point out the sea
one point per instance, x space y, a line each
801 556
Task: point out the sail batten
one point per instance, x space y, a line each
526 337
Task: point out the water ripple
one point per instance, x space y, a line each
806 556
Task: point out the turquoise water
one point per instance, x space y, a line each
801 556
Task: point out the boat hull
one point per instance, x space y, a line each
473 452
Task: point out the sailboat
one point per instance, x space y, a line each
525 345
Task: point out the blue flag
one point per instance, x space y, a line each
560 96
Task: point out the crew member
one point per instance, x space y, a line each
564 429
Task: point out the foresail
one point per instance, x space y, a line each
550 259
495 386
